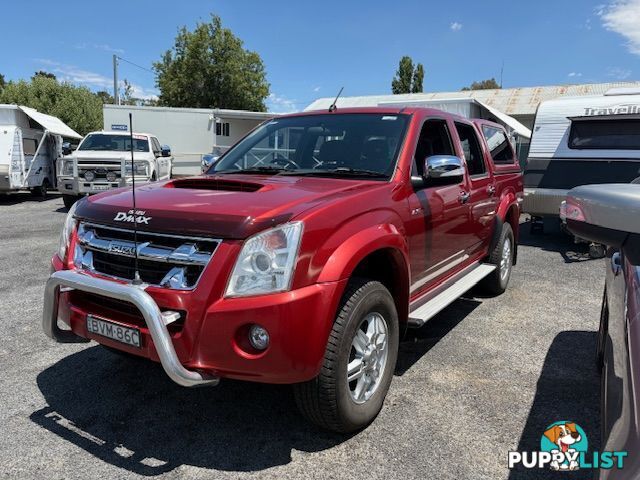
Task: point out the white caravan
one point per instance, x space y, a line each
579 141
30 146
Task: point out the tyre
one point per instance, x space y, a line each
41 191
358 364
602 331
69 200
597 251
502 256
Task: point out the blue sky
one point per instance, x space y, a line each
311 49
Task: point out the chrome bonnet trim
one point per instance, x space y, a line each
136 295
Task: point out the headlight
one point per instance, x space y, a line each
89 175
67 167
266 262
67 230
142 168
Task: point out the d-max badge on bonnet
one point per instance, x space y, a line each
132 216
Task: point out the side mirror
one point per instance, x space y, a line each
66 149
608 214
208 160
165 151
444 169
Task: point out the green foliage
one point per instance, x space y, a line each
488 84
78 107
2 82
42 73
418 79
209 67
408 79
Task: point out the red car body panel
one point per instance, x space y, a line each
345 221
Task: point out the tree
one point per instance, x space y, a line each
418 79
209 67
2 82
127 94
78 107
105 97
42 73
488 84
408 79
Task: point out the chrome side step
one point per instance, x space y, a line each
448 293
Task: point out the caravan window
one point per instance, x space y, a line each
29 146
613 134
499 145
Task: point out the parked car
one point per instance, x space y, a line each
102 161
610 215
581 141
31 144
298 261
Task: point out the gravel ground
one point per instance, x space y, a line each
484 377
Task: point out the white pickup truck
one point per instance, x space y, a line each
102 161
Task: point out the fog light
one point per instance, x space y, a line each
258 337
111 177
89 176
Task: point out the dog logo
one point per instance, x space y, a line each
565 441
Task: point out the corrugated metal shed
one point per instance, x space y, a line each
512 101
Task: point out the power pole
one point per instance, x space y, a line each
116 95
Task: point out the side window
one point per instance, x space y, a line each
155 145
29 146
434 140
471 149
499 145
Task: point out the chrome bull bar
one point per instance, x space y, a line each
72 279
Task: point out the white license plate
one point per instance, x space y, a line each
105 328
100 187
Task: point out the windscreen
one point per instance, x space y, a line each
613 134
115 143
321 143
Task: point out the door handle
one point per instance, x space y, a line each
464 197
491 190
616 263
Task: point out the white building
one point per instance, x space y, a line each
190 132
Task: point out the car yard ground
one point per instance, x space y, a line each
484 377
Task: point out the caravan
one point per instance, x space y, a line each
579 141
30 146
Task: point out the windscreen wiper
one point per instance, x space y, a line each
339 171
262 169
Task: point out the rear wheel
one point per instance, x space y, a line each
502 257
41 191
359 361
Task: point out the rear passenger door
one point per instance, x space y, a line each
481 195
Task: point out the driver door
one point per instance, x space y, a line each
436 232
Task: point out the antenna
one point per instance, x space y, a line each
501 73
136 276
333 106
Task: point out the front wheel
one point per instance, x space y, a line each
502 257
359 361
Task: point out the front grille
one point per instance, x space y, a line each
169 261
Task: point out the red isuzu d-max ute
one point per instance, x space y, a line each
299 257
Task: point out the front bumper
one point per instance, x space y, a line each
75 186
213 341
125 292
